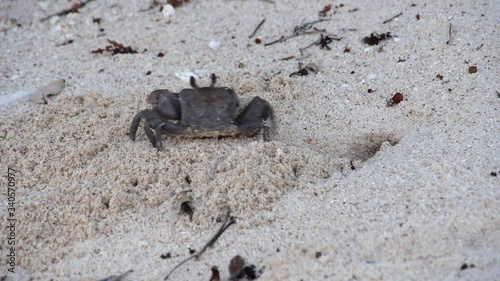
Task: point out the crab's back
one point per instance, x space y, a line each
208 108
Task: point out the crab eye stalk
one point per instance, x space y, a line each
192 81
214 79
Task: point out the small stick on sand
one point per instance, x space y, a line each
391 19
323 42
257 28
284 38
449 34
300 30
117 277
73 9
224 226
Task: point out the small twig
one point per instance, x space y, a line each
323 42
268 1
305 48
284 38
73 9
257 28
70 41
117 277
153 5
449 34
308 25
348 29
391 19
300 30
224 226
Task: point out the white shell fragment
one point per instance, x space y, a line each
54 88
312 67
214 45
168 11
186 75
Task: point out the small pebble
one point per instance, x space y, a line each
397 98
472 69
214 44
168 11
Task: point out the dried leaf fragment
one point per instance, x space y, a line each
375 38
177 3
115 48
215 274
166 256
238 269
236 266
54 88
325 10
250 272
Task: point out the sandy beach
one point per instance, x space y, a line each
385 164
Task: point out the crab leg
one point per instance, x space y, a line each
170 129
135 124
149 133
152 117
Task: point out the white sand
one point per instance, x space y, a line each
421 203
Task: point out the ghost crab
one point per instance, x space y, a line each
203 112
